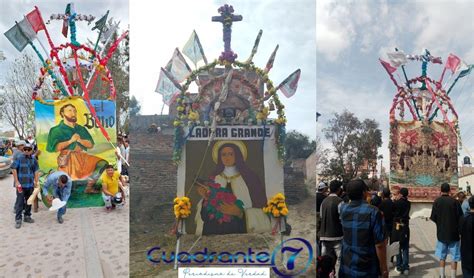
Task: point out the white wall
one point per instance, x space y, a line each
462 182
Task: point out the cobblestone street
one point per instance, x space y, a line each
90 242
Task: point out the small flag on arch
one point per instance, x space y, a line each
100 24
16 36
36 21
389 68
466 71
290 84
178 67
193 49
108 34
453 62
269 65
167 87
255 46
397 58
27 29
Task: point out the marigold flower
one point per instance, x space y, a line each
280 196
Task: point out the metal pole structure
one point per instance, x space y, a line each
178 236
283 257
162 107
381 167
316 179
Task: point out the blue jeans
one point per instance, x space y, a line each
62 210
402 257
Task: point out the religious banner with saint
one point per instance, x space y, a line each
71 141
240 172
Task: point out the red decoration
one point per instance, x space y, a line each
409 137
439 139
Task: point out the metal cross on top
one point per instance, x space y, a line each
227 17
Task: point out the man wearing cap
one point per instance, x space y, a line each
18 150
111 185
321 194
61 185
26 174
31 140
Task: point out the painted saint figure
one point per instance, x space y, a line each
72 142
231 172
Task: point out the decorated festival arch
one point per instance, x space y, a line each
63 109
228 149
424 129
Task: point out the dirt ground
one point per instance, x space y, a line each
301 217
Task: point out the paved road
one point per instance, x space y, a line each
90 242
423 263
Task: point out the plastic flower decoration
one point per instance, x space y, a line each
193 116
263 114
276 206
182 207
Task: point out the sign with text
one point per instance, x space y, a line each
233 133
239 272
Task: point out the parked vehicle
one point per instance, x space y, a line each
5 164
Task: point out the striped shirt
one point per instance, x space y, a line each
362 226
26 167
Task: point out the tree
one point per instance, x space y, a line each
298 145
321 155
134 107
16 99
354 144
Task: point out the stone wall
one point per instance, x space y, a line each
152 174
294 185
299 165
310 167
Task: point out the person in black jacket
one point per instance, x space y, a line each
321 194
465 229
387 208
445 213
331 228
402 230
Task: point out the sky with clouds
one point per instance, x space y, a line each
352 35
157 29
346 38
12 11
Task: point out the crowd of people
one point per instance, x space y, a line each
58 184
357 230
